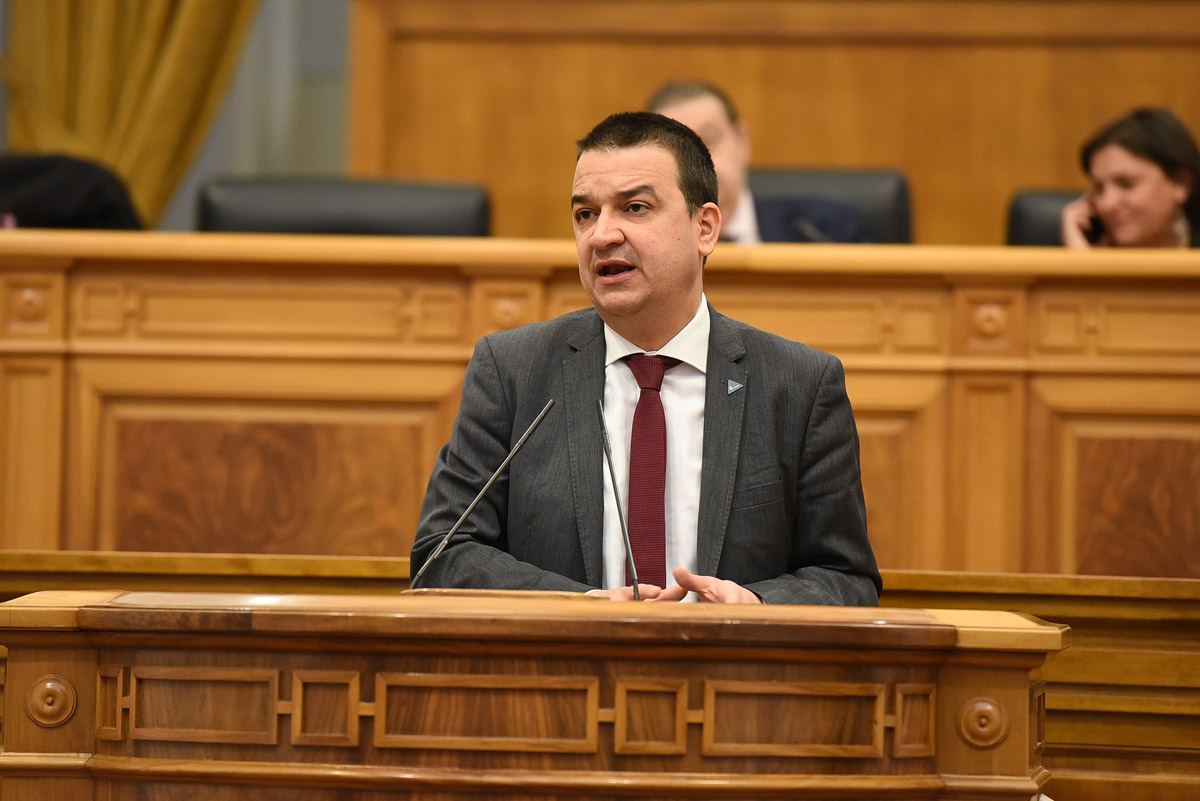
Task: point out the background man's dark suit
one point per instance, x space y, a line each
781 500
807 219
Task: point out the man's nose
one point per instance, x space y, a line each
607 231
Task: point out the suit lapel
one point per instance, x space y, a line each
583 383
724 406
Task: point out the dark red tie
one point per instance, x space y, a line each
648 470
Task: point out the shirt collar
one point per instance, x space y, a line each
742 225
690 345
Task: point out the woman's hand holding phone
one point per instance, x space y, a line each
1081 228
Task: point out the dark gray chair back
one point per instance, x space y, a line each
880 196
342 206
1035 216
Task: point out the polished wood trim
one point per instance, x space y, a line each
207 252
811 21
586 783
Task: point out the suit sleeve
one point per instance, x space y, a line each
484 431
835 563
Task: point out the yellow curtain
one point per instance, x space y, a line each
131 84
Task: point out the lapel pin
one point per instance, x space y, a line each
733 386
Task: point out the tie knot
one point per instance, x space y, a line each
648 370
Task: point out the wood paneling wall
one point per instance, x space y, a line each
1019 410
973 99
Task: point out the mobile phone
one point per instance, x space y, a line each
1096 232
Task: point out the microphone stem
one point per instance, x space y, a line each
612 473
454 529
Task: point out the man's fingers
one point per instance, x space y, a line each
675 593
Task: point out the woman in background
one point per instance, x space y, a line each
1144 169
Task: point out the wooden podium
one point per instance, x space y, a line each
230 697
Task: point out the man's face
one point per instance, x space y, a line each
640 253
729 144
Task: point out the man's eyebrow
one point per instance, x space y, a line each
623 194
644 189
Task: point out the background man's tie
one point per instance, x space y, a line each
648 469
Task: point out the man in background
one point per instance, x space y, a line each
748 220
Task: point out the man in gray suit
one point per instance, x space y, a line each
763 498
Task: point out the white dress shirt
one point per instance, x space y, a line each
683 406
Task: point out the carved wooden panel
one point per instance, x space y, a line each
989 321
325 707
987 472
901 428
544 712
1117 495
31 460
650 716
500 304
203 705
915 720
1142 324
776 719
1134 489
843 319
32 313
487 713
229 484
32 305
159 308
245 458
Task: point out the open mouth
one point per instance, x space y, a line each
606 268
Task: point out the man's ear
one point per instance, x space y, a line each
709 218
743 131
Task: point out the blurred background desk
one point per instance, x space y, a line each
1020 410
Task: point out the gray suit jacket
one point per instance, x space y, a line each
781 508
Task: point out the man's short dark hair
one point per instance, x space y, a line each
694 167
677 92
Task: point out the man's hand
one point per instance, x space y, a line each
648 592
708 588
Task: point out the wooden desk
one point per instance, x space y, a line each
113 694
1019 410
1123 703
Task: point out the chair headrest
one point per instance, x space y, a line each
343 206
1035 216
880 196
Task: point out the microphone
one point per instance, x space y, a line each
612 473
453 529
807 231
